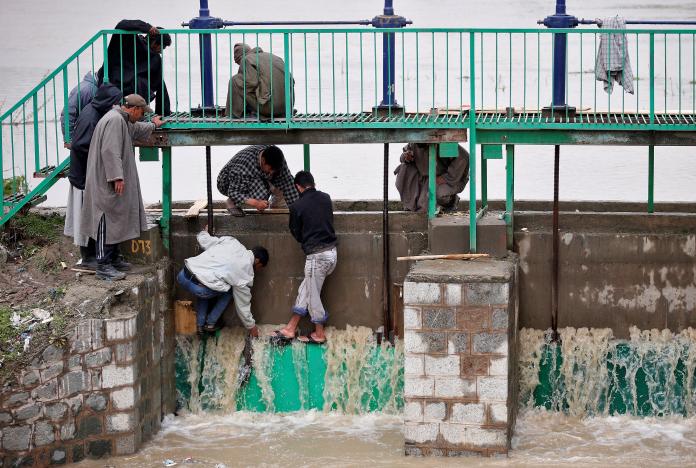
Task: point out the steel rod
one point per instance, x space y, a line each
209 187
386 295
554 259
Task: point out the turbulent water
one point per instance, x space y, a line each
352 374
579 431
589 373
315 439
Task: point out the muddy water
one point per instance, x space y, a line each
317 440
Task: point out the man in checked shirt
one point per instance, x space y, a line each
249 177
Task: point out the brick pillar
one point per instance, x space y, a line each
460 320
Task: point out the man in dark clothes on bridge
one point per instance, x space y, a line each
251 175
452 174
129 54
105 98
311 224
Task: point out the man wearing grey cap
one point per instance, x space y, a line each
112 209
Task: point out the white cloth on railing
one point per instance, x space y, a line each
613 61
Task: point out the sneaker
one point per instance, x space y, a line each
200 332
120 264
108 272
89 263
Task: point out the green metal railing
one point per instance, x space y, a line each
482 80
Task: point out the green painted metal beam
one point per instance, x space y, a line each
247 136
651 179
585 137
165 221
510 194
472 143
432 182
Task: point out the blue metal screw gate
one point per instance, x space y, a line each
388 20
560 44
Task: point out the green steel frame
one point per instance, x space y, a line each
334 103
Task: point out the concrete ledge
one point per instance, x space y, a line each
456 271
450 234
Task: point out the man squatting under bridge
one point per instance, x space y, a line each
412 178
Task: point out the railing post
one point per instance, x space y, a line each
165 220
305 150
472 143
510 193
288 77
105 44
2 175
652 78
484 181
432 183
651 178
35 111
66 114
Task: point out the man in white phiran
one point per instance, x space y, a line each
222 272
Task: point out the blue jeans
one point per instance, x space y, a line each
210 304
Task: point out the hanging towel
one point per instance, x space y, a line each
613 62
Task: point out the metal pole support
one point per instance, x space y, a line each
165 220
510 194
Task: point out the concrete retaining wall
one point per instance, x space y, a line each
106 391
352 294
616 270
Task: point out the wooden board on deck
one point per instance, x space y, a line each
196 208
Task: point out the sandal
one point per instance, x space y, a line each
309 339
278 338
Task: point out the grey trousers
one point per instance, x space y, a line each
317 267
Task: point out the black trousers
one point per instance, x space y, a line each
106 253
90 251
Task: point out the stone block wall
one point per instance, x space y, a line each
102 394
460 341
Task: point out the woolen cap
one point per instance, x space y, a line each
136 100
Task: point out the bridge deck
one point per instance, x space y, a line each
492 126
442 119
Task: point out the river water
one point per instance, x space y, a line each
36 35
315 439
210 438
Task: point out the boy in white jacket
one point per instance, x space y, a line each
223 271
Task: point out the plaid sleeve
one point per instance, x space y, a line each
285 182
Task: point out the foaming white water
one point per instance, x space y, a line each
318 439
543 437
360 376
591 373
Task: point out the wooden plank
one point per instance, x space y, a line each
462 256
196 208
184 318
